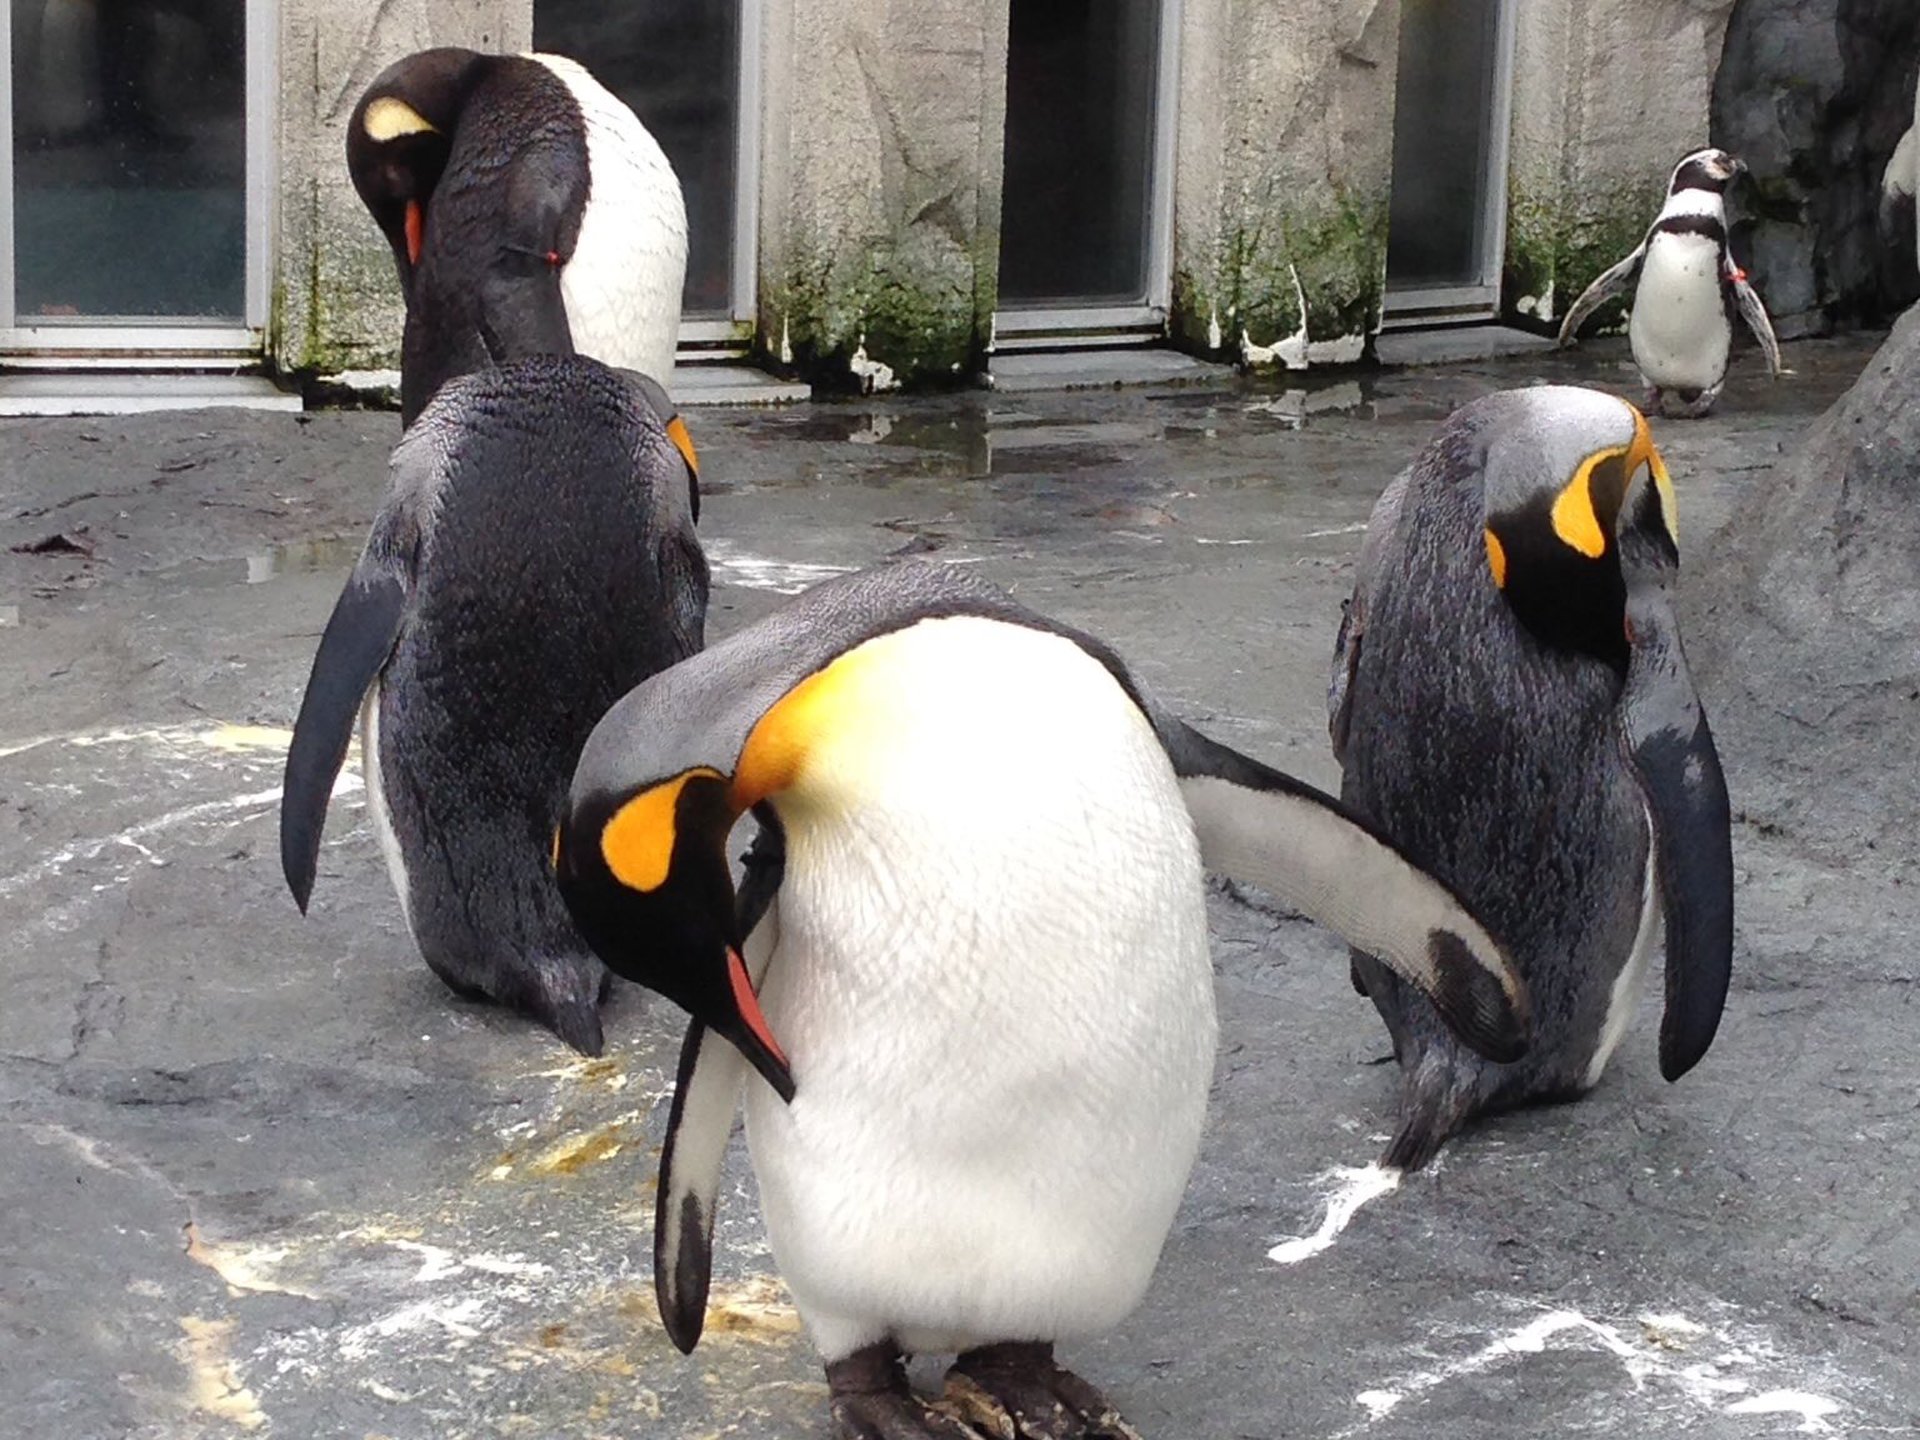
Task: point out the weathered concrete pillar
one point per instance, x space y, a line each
1285 149
336 299
1607 95
882 128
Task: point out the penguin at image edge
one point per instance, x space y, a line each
529 212
987 902
1681 325
1511 705
533 560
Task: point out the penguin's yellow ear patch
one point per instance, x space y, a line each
637 843
388 118
1574 519
1644 452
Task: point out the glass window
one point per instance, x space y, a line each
677 64
1442 138
1074 216
129 160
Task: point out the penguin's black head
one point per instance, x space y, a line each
1566 472
644 872
1711 170
398 140
641 858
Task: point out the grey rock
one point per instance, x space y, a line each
1814 95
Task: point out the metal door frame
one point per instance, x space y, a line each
165 341
735 330
1440 304
1047 324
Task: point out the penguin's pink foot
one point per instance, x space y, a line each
1014 1391
1650 401
871 1400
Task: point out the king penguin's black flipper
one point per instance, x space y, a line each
360 635
359 639
1673 757
705 1097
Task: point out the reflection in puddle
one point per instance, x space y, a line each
9 615
304 557
1292 407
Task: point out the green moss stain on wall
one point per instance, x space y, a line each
1332 255
909 305
1554 252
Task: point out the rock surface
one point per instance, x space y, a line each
1815 629
1814 95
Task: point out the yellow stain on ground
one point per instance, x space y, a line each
241 1268
235 738
756 1309
215 1386
577 1151
602 1070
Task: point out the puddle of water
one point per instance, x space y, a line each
1293 407
303 557
9 615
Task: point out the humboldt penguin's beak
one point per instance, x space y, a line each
1672 754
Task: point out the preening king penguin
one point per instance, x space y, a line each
534 559
1511 705
1681 325
975 984
529 211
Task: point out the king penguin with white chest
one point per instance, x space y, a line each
529 211
1511 705
533 560
1688 292
976 990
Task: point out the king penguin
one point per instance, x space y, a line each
534 559
1511 705
529 212
1681 325
976 988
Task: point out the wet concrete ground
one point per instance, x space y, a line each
263 1175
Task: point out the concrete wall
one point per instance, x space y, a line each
1608 94
336 299
882 126
880 186
1284 154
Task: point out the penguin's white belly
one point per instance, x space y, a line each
622 285
1628 986
377 809
1678 328
993 984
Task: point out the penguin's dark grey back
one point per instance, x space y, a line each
1493 761
556 568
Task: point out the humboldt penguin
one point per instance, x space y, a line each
534 560
974 979
1681 325
529 212
1511 706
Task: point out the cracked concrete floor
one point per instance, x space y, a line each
263 1175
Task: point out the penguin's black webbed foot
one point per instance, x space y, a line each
1015 1391
872 1400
